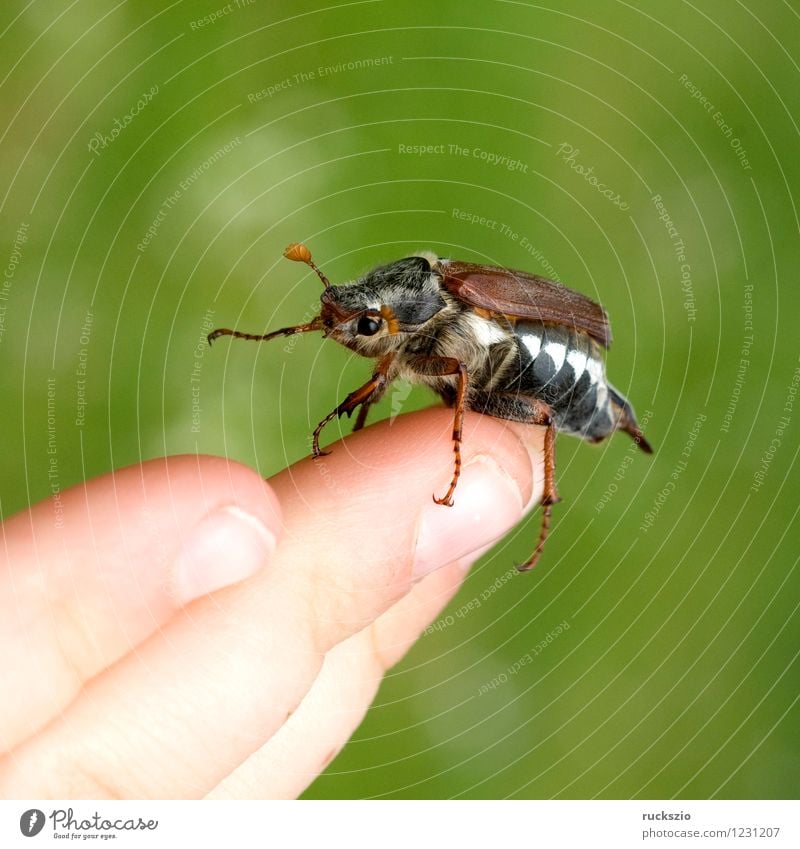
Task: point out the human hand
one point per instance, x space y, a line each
190 630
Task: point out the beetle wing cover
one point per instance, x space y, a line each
523 295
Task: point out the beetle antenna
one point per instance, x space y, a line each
298 252
314 324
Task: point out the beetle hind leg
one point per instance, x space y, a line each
549 496
521 408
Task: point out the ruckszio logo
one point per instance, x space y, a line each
31 822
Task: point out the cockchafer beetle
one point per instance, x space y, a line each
498 341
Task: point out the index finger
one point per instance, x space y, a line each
84 583
236 669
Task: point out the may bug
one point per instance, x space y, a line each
507 343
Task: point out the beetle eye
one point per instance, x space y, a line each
368 326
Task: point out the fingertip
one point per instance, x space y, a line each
489 502
376 528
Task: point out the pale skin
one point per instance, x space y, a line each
186 630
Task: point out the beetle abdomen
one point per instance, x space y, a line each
563 368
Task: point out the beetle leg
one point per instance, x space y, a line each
549 496
365 395
458 425
520 408
362 415
441 366
316 451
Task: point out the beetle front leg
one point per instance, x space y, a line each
362 416
442 366
364 396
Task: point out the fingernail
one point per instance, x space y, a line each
487 503
224 548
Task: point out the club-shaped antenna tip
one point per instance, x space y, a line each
297 252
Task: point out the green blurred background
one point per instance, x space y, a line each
664 647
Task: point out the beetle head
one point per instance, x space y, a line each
374 315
